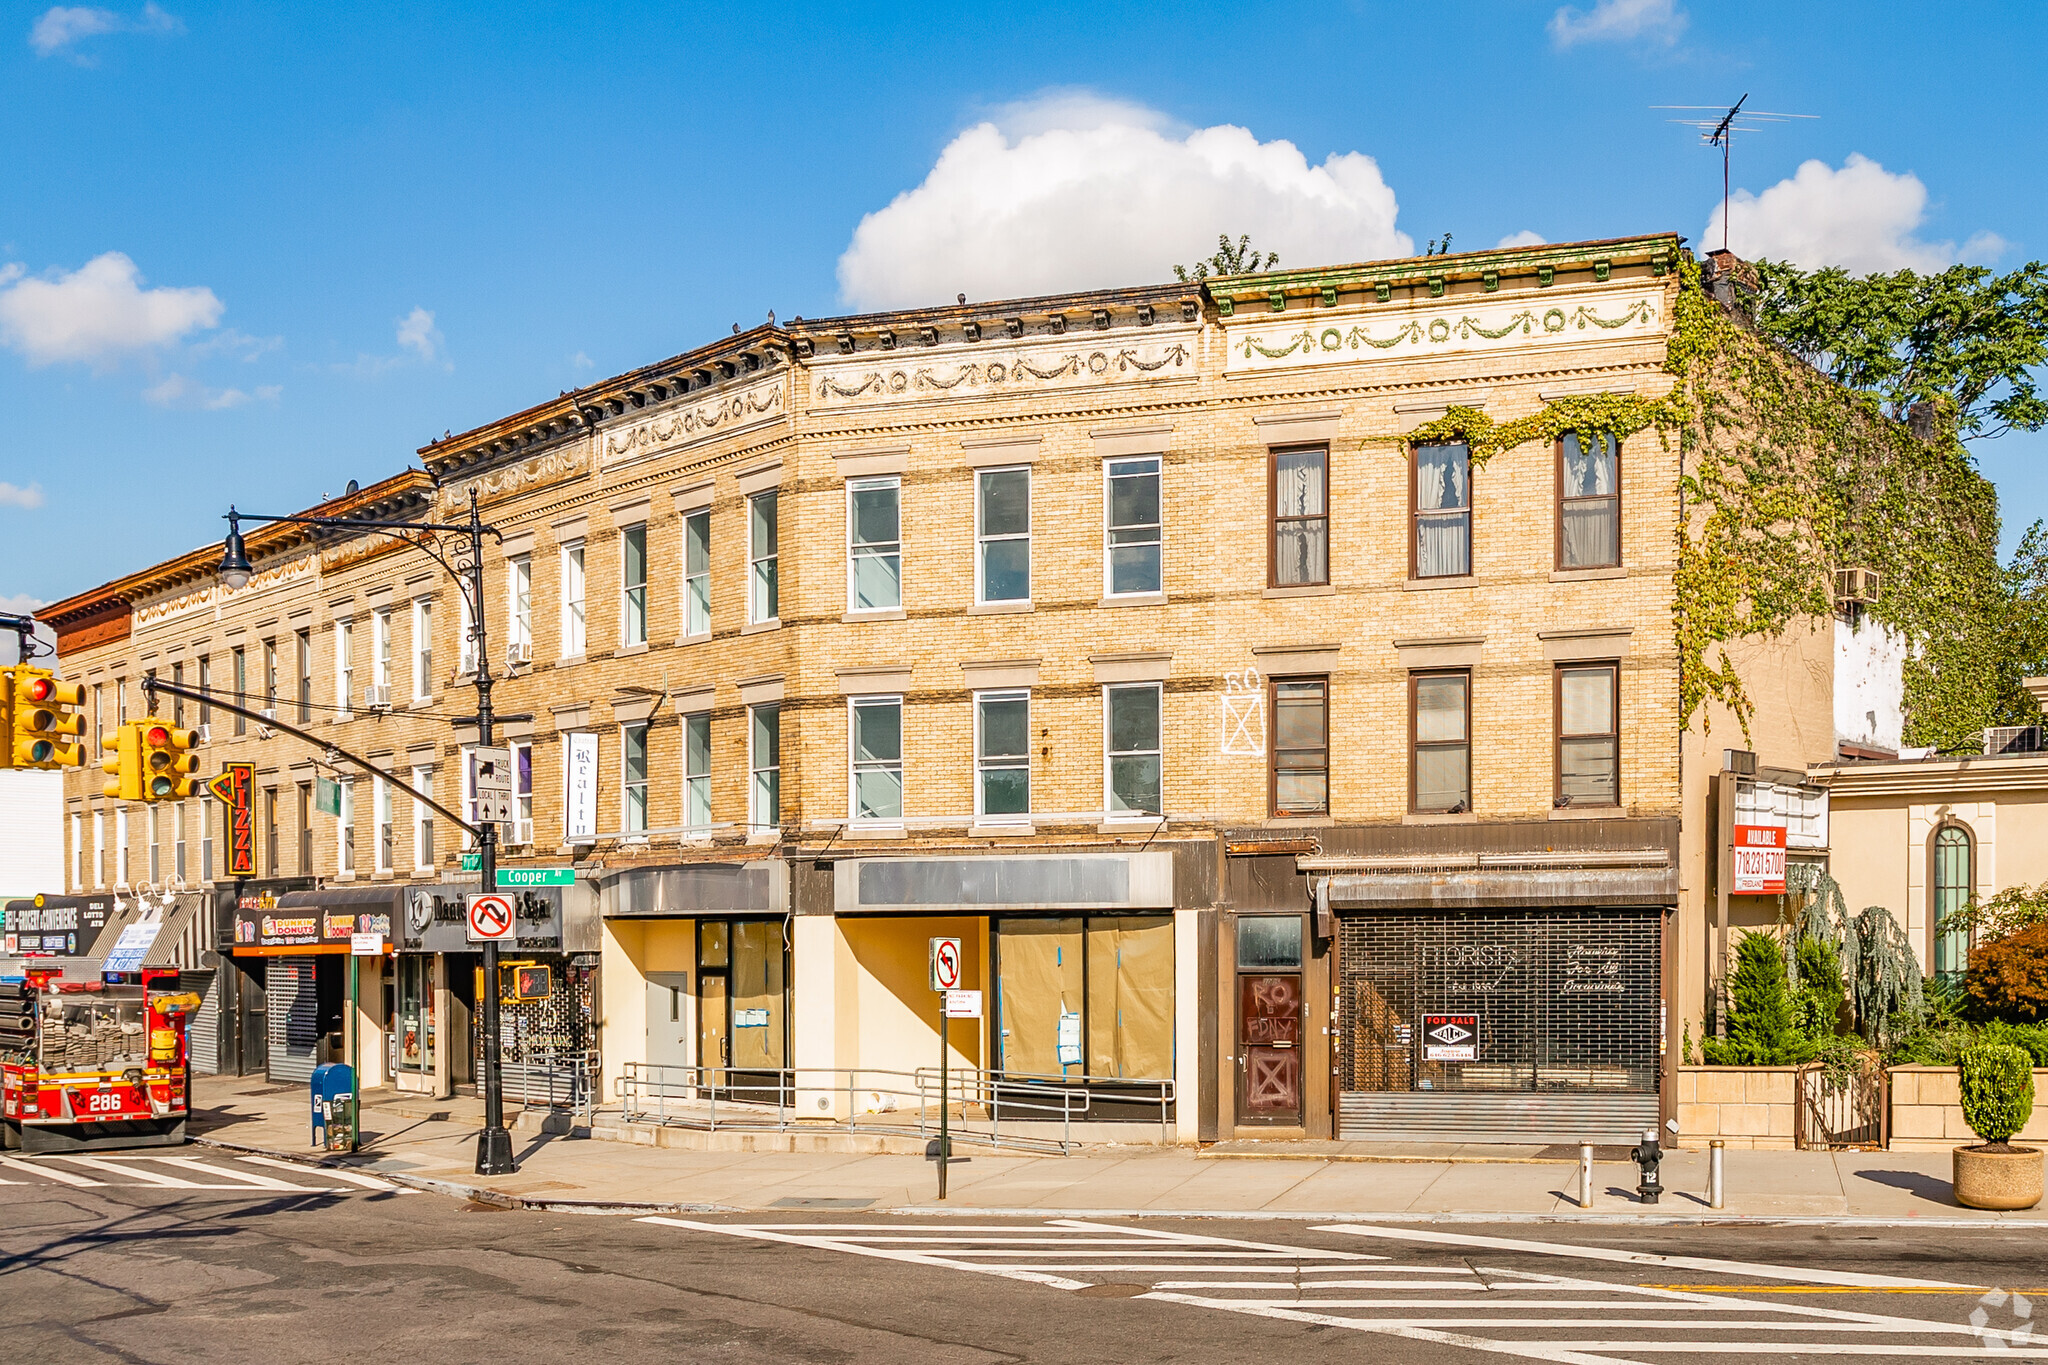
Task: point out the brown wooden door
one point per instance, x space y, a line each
1270 1051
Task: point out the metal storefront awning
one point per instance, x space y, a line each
759 886
1497 881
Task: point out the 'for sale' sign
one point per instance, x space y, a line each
1759 860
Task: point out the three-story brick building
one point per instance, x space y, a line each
1272 765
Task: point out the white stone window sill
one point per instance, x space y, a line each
1303 590
705 638
567 659
1001 830
765 837
1134 599
872 614
383 876
627 651
1585 812
757 627
421 703
1588 575
1432 584
1439 818
1000 608
344 876
1140 824
855 830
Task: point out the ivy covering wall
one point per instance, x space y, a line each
1787 476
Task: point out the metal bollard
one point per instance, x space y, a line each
1585 1175
1716 1190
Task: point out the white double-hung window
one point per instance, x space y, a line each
697 573
1002 756
572 599
344 665
519 605
874 551
1002 534
876 727
422 649
764 603
697 772
633 585
1131 551
1131 751
764 764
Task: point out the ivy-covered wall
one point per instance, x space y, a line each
1786 477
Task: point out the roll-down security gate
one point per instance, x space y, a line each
1521 1026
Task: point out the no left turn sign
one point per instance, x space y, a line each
490 918
945 964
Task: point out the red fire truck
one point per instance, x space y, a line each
91 1064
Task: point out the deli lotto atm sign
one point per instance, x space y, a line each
1759 860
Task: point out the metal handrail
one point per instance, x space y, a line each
568 1080
879 1100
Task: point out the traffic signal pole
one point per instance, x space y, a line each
494 1143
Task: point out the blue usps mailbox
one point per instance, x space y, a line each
333 1095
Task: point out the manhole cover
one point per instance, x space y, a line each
799 1202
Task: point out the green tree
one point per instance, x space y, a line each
1763 1018
1966 343
1228 260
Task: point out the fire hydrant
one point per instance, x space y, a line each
1647 1154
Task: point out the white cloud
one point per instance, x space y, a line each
1657 21
1075 191
176 391
1861 217
1522 238
582 361
97 312
417 333
28 499
61 26
19 604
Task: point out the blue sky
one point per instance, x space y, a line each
250 252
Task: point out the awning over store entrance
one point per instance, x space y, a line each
1495 881
318 921
756 887
1029 882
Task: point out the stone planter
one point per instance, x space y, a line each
1998 1180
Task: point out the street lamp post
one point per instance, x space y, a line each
494 1143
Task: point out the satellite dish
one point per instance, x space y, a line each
351 490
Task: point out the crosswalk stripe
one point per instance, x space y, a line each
249 1179
127 1168
368 1182
1521 1313
61 1176
1591 1253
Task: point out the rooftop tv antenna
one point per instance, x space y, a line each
1720 132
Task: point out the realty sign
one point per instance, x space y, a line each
236 786
1450 1037
1759 860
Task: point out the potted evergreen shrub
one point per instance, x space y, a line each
1998 1099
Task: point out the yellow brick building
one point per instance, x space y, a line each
1278 775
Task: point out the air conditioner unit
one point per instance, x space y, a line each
2012 739
377 698
517 654
206 732
268 713
1856 585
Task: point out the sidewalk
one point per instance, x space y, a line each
432 1144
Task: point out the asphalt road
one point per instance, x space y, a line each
201 1255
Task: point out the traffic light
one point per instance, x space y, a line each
126 763
166 759
41 724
